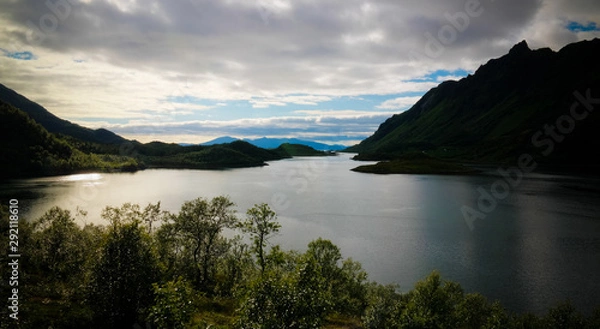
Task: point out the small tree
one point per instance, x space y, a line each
326 255
564 316
235 269
200 223
432 304
291 300
152 213
121 285
173 305
384 307
58 245
261 223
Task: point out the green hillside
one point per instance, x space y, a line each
30 150
503 111
238 154
55 124
291 150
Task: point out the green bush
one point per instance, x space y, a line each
173 304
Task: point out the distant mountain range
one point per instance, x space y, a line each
35 142
271 143
536 102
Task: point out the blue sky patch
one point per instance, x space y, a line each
21 55
440 74
579 27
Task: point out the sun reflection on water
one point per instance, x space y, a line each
81 177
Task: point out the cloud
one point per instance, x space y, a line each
283 100
400 103
345 125
116 59
443 78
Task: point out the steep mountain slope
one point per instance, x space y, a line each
506 108
27 149
55 124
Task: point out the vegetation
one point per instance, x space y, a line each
290 150
416 163
261 223
30 150
56 125
37 143
492 115
185 273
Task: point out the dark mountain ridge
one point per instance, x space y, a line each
497 114
27 149
55 124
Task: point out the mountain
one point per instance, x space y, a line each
265 142
54 124
220 140
37 143
299 150
237 154
28 149
273 143
536 102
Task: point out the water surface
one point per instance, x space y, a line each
539 246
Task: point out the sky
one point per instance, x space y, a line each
189 71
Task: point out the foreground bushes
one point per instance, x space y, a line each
183 273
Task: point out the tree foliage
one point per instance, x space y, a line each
148 267
261 223
28 149
199 224
296 299
173 306
120 290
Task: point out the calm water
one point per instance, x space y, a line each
539 246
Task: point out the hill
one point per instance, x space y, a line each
55 124
237 154
28 149
536 102
292 150
273 143
266 142
219 140
416 164
35 142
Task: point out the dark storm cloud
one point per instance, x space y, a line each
200 36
